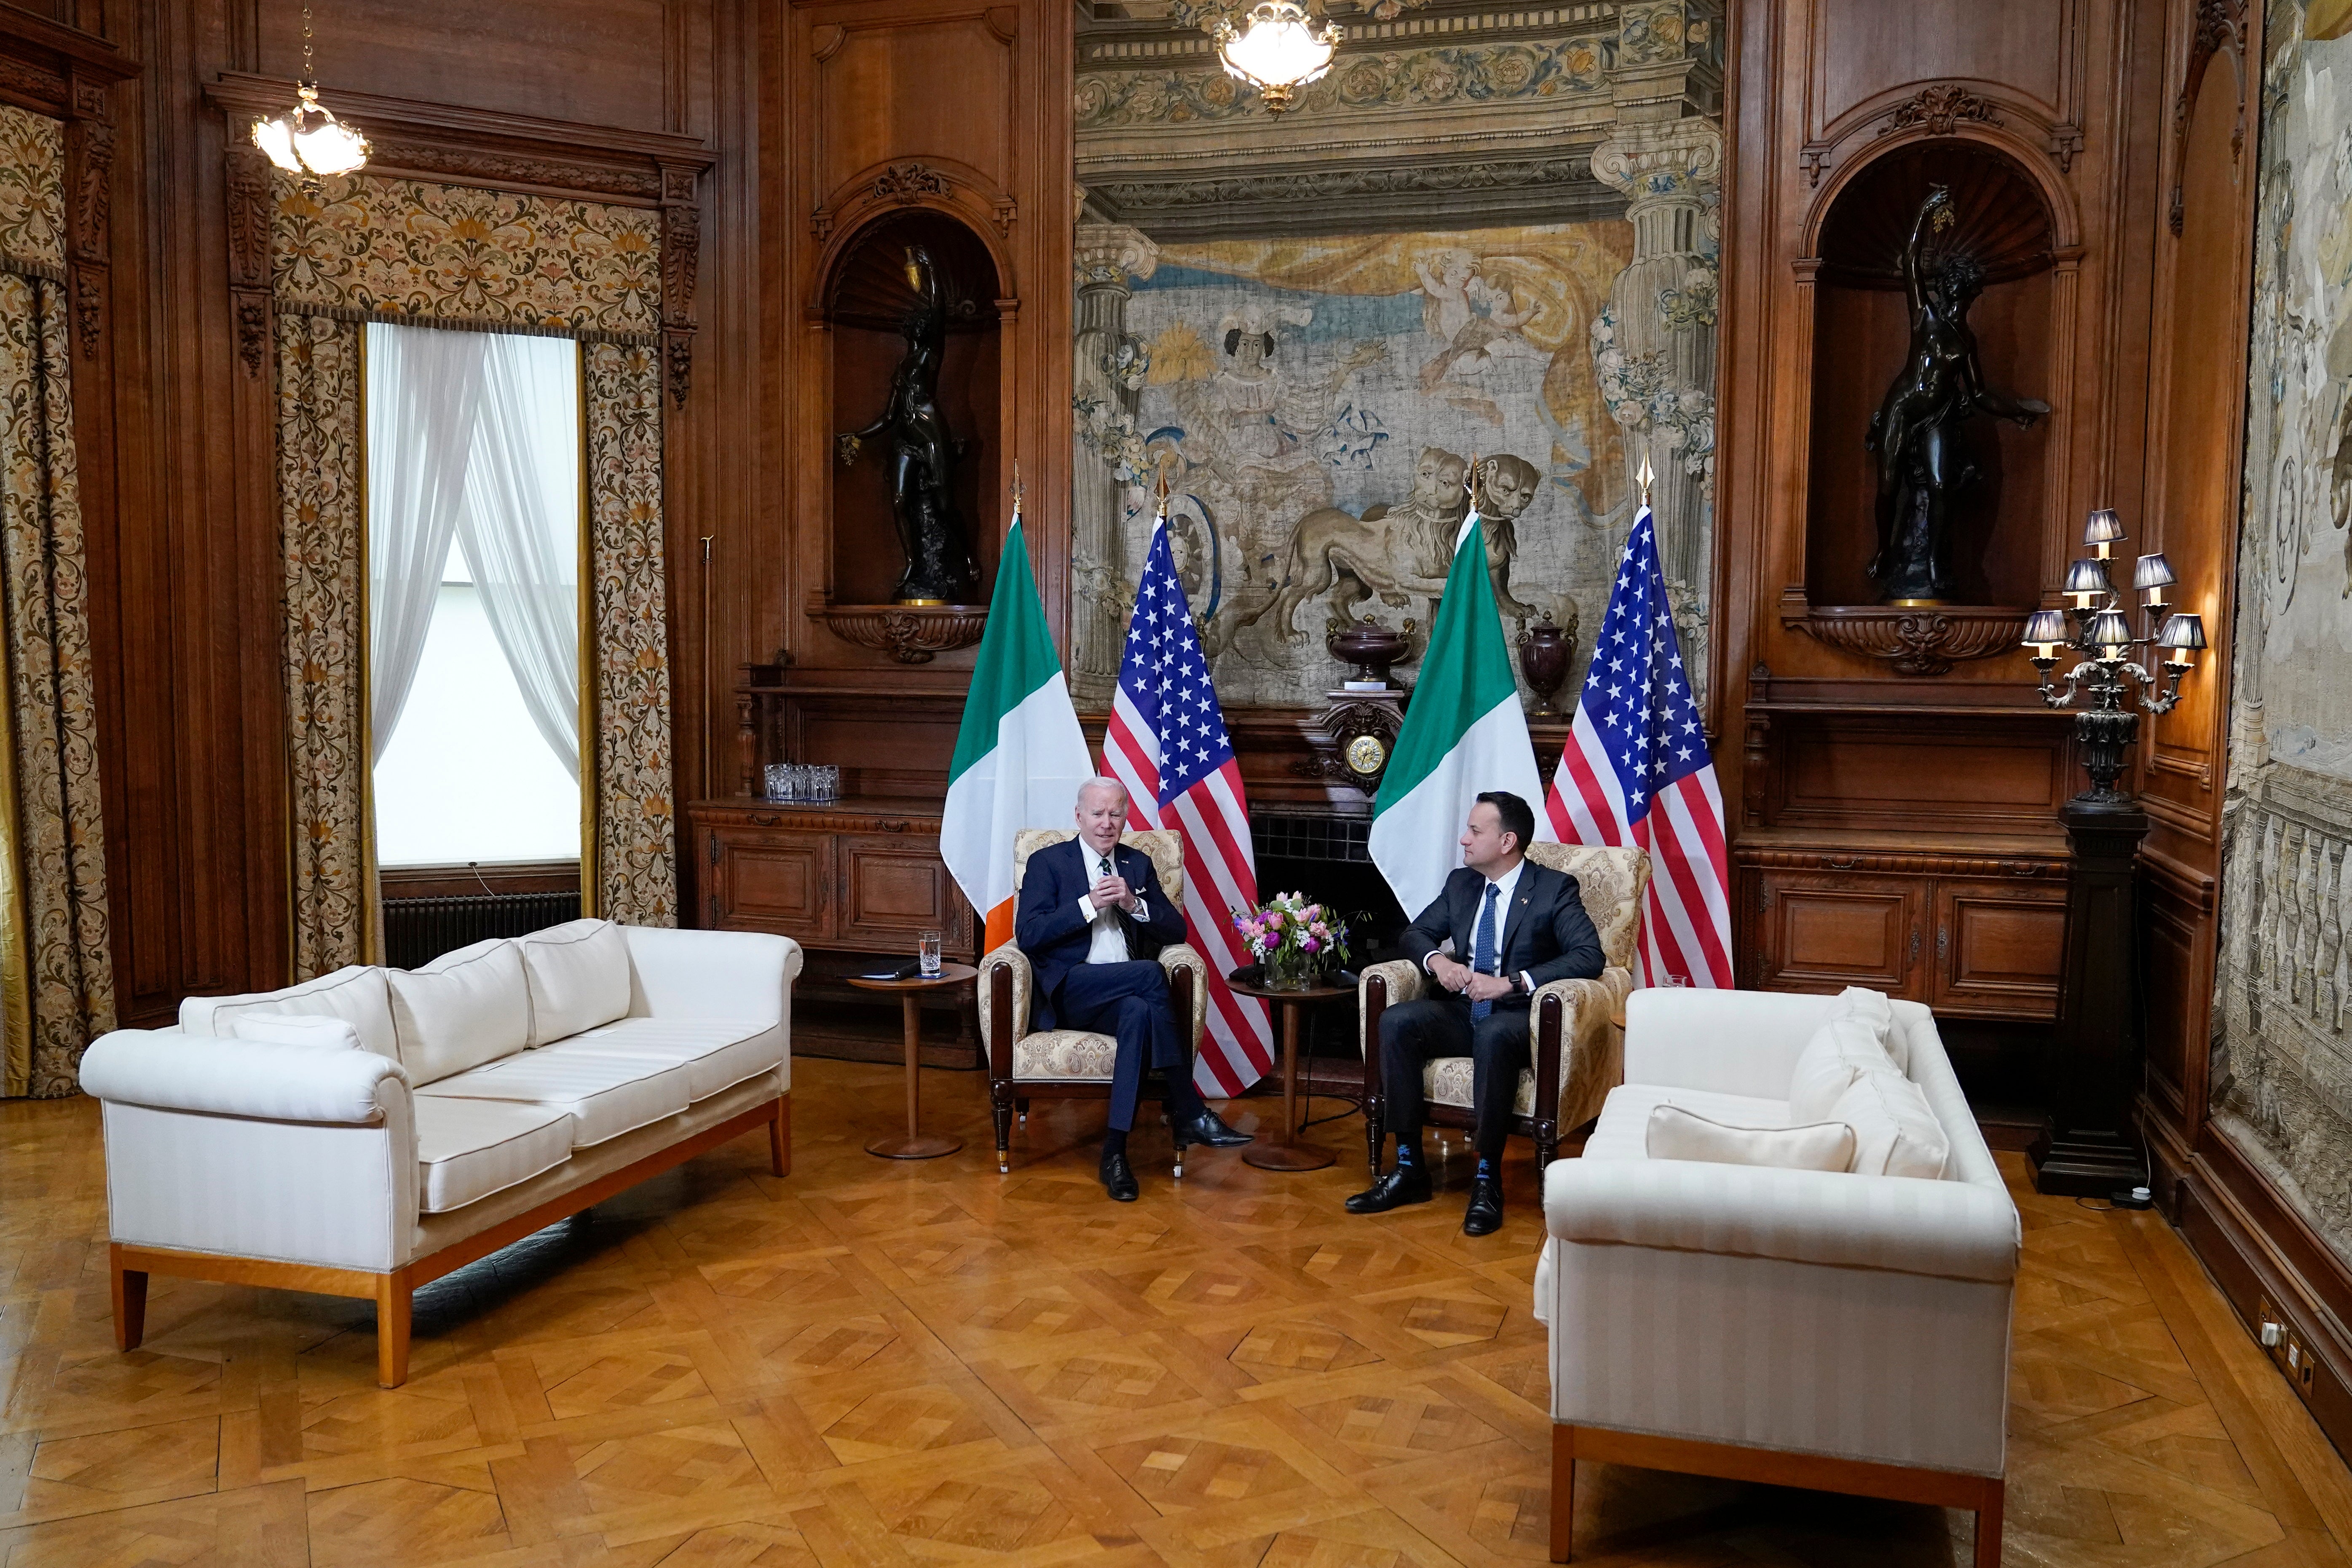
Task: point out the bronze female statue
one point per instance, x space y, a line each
1923 461
923 453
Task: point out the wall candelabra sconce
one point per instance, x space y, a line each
2089 1145
2097 625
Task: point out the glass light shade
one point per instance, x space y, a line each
2182 637
2110 631
1276 50
2046 630
309 139
2153 572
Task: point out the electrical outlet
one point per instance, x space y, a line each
2284 1346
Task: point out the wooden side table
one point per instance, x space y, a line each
1287 1154
915 1144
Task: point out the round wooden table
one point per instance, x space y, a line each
915 1144
1287 1154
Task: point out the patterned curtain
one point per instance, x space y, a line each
634 874
56 973
367 249
319 434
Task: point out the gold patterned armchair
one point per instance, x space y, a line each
1073 1064
1580 1056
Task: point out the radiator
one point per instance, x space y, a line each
417 931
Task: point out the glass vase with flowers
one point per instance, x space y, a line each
1296 941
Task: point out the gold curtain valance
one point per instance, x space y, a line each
370 248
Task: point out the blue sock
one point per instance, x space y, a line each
1408 1154
1485 1169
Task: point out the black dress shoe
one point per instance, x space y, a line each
1119 1179
1404 1184
1484 1215
1209 1128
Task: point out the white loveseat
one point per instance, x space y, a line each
369 1130
1807 1328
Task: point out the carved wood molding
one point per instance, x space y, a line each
462 146
1921 640
936 183
70 75
1938 109
911 634
1912 863
2221 24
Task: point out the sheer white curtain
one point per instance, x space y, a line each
519 527
424 396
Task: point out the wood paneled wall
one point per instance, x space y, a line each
792 103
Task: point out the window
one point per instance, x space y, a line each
473 523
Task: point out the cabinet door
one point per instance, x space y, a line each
2000 948
765 879
892 887
1824 932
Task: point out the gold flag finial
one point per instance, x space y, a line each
1646 477
1470 481
1017 491
1163 495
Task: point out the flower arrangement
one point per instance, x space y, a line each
1295 940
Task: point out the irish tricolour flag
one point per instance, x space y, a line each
1020 756
1465 732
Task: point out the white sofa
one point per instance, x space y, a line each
1802 1327
369 1130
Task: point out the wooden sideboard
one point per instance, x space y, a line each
1974 929
851 882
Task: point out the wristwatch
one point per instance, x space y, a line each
1519 985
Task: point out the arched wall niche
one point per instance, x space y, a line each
863 298
2004 221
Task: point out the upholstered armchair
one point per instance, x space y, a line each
1072 1064
1577 1053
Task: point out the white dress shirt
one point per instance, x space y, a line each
1507 882
1108 944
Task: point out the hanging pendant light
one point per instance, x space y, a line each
1276 50
307 139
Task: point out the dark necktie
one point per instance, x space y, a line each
1482 955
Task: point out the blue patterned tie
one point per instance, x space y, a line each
1482 955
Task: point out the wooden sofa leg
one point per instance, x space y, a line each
129 1301
1988 1526
391 1304
780 1138
1564 1491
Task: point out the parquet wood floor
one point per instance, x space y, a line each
880 1365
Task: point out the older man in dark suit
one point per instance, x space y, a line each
1092 920
1520 926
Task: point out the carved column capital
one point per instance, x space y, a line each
1673 160
1114 253
681 265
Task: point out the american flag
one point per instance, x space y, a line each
1636 770
1167 744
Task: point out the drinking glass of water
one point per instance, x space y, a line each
927 949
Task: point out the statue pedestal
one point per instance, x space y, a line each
2089 1146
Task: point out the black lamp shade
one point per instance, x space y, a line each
2109 629
2046 627
2104 527
2153 572
2088 577
2185 630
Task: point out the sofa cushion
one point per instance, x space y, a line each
1874 1008
461 1010
1894 1130
717 1053
318 1032
1623 1131
469 1149
1449 1080
1064 1055
578 978
1845 1047
356 994
605 1095
1675 1133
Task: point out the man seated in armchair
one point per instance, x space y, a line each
1092 920
1522 926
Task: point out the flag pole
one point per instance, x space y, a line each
1645 477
